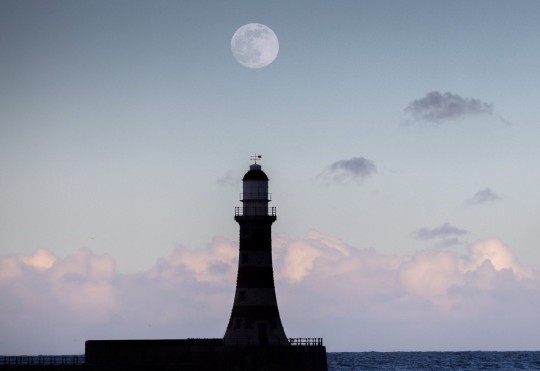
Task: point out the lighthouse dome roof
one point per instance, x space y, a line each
255 173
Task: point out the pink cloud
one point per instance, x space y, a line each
215 264
84 283
357 299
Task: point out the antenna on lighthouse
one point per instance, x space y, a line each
255 157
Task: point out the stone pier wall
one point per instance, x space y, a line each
200 355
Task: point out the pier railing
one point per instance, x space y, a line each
76 360
306 342
291 341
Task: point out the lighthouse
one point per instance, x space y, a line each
255 315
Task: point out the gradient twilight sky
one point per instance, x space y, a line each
401 140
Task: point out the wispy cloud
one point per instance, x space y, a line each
482 197
52 305
446 234
356 168
229 179
444 231
437 107
449 242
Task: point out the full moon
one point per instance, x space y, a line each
254 45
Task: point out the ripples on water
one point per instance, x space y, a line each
434 361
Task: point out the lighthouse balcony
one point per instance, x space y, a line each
255 211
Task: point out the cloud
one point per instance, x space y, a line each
229 179
483 196
300 255
356 168
216 264
41 260
357 299
436 108
498 255
444 231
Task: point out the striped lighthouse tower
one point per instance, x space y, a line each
255 314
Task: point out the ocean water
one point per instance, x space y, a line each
434 361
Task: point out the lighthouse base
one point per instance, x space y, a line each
200 355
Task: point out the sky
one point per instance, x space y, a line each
401 140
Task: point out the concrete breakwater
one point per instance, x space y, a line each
183 354
202 355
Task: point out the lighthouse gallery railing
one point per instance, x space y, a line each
254 210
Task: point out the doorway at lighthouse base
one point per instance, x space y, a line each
203 355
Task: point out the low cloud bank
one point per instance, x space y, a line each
357 299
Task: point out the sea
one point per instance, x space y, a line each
433 361
401 361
